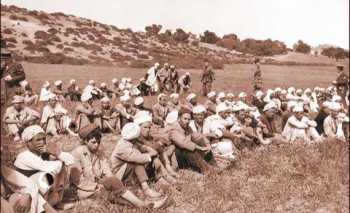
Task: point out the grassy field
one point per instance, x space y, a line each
287 178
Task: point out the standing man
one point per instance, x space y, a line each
207 79
342 81
257 81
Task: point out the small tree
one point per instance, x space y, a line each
153 29
302 47
209 37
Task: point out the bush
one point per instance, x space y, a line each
153 29
262 47
180 35
209 37
335 52
301 47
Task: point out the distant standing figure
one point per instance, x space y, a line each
207 79
342 81
257 81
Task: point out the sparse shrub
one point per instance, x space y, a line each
20 18
209 37
153 29
301 47
180 35
335 52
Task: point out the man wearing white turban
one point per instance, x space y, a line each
174 102
300 127
127 160
45 92
126 110
151 78
110 117
73 91
332 124
210 103
17 117
85 113
45 164
160 110
185 83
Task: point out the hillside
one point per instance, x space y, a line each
57 38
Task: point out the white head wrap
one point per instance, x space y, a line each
57 83
91 82
298 108
103 84
23 83
124 98
72 81
17 99
142 117
114 80
46 84
29 132
190 96
270 105
86 96
172 117
221 107
336 98
198 109
130 131
211 94
160 96
259 93
138 101
242 95
334 106
105 100
221 95
187 73
174 95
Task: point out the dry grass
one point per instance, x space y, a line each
287 178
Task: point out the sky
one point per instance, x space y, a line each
313 21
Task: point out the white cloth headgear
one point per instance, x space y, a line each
103 84
298 108
259 93
57 83
191 96
72 81
174 95
221 95
91 82
172 117
142 117
124 98
334 106
86 96
17 99
221 107
114 80
198 109
105 100
29 132
46 84
211 94
130 131
270 105
242 95
138 101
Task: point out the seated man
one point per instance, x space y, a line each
20 194
105 91
85 113
30 98
58 90
125 109
174 102
185 83
55 119
128 161
45 92
17 117
191 101
156 143
160 110
139 105
268 131
45 164
73 91
210 103
117 92
96 171
332 125
188 153
109 117
300 127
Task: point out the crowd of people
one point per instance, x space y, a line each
175 133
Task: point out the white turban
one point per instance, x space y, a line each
86 96
114 80
105 100
17 99
237 107
259 94
211 94
91 82
23 83
142 117
124 98
57 83
29 132
221 107
51 96
187 73
156 64
130 131
190 96
198 109
336 98
174 95
284 92
160 96
72 81
221 95
270 105
172 117
242 95
46 84
291 89
334 106
278 89
103 84
298 108
138 101
299 91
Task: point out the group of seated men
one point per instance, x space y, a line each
155 142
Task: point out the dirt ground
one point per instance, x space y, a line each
287 178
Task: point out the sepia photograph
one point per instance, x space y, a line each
197 106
